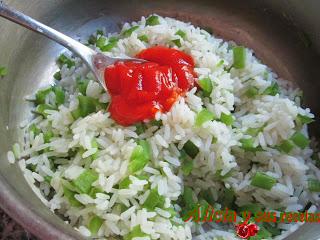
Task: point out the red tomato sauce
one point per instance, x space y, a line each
139 90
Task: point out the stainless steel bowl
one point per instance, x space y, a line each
285 34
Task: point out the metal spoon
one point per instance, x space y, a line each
96 61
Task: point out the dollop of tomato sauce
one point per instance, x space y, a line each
140 90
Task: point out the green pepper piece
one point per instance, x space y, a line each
314 185
302 119
218 175
87 105
181 33
135 233
92 39
60 96
252 92
143 38
272 90
124 184
128 32
64 60
191 149
94 191
154 200
227 198
187 163
254 131
300 140
239 57
262 180
203 116
140 128
95 224
76 114
70 196
176 42
41 108
47 136
101 42
247 145
57 76
188 198
100 32
113 41
206 86
286 146
140 156
42 94
227 119
33 128
3 71
47 179
207 195
84 182
82 85
152 21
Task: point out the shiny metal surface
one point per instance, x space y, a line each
97 62
278 30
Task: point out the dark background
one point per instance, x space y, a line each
10 230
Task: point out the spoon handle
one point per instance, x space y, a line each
15 16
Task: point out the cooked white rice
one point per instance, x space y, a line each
275 115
